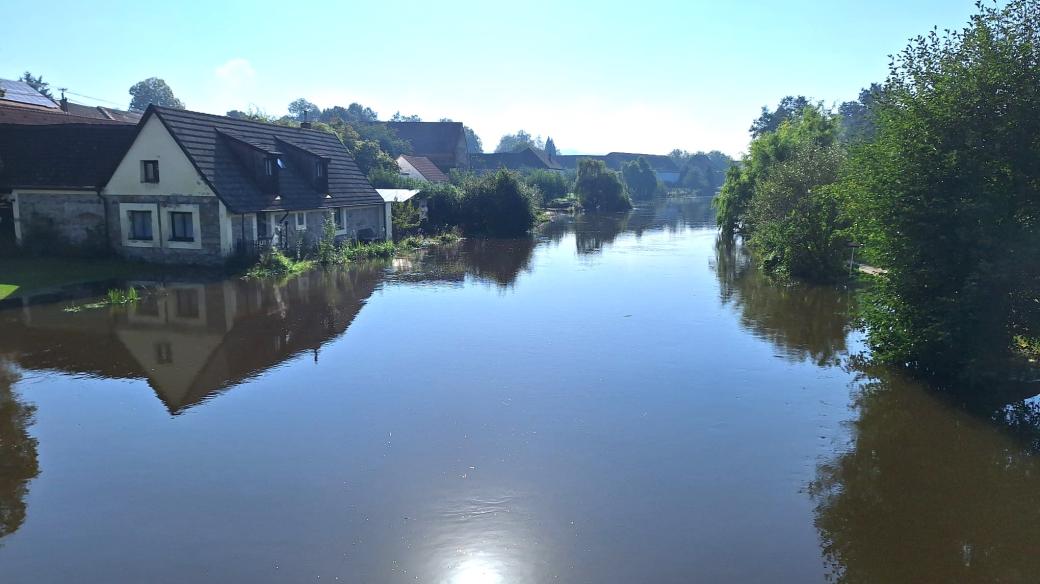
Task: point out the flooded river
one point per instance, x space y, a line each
616 400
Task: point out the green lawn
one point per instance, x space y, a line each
23 275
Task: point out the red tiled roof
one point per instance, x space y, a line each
426 168
32 116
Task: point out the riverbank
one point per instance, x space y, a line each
25 275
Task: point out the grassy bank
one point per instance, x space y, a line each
25 275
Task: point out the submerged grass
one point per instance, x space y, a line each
366 251
275 264
425 241
114 297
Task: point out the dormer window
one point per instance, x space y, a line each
150 171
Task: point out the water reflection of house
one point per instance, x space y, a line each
190 341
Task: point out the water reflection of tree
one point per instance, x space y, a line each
18 463
499 261
592 231
806 322
928 493
496 261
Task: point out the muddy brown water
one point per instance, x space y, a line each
618 399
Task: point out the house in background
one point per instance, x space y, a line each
525 159
664 167
442 143
420 168
51 177
21 104
195 187
187 187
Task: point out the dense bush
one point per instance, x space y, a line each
797 216
948 196
497 204
551 184
781 198
599 189
443 206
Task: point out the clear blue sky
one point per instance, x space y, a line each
636 76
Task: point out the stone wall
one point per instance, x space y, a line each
209 227
355 220
73 218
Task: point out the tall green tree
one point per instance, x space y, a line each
788 108
37 83
354 112
518 141
550 148
599 188
857 117
640 178
948 196
303 110
781 198
153 91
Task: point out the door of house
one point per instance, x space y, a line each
262 227
7 241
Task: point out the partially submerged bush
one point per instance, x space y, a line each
599 189
367 251
497 204
274 263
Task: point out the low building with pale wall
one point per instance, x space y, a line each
186 187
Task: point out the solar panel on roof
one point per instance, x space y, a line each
21 92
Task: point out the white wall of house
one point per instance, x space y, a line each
177 175
667 177
408 170
180 189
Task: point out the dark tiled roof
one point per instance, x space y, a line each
426 168
658 162
102 113
29 115
526 158
438 141
614 160
213 155
61 156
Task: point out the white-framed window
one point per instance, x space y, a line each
139 224
149 171
301 221
338 218
181 226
